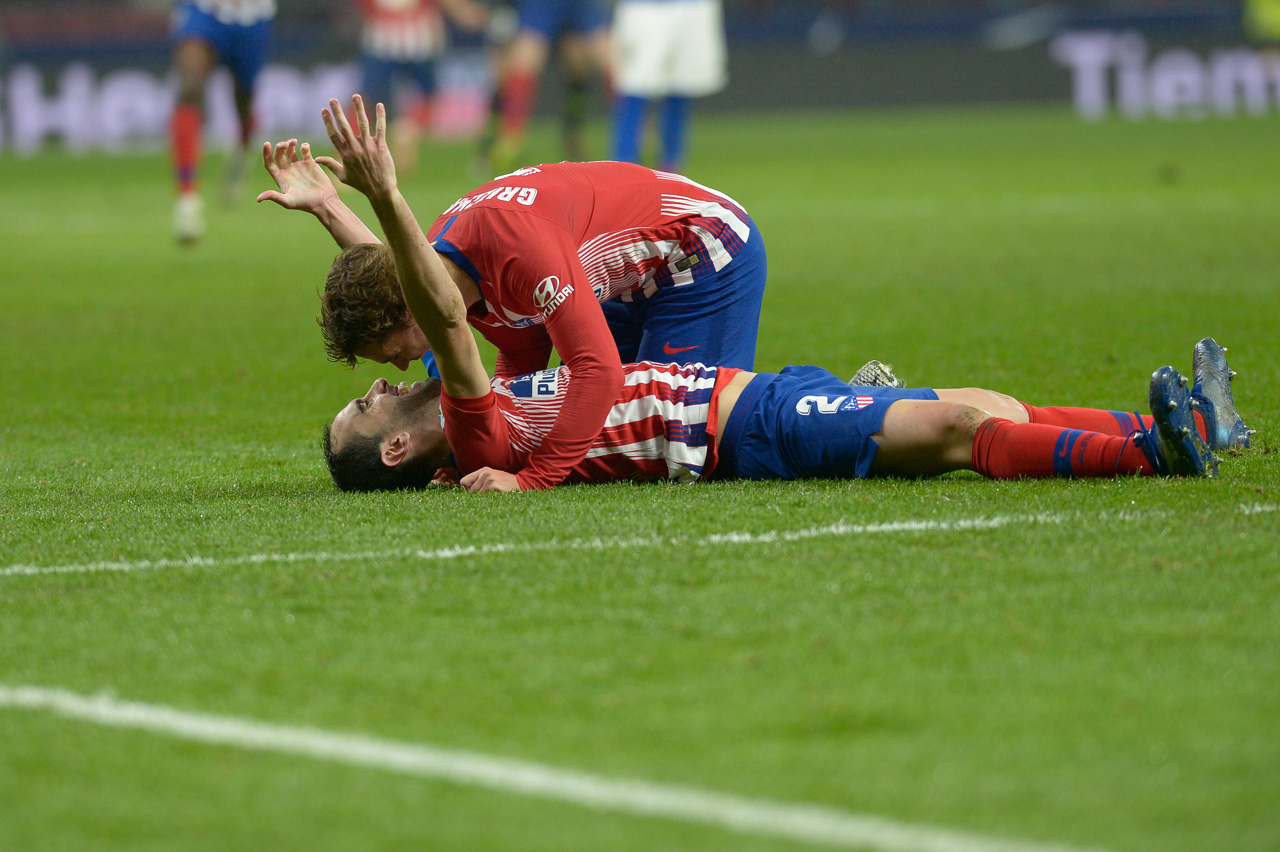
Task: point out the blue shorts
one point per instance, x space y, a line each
554 18
713 320
378 75
242 49
805 422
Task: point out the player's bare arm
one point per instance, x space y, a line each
429 292
304 186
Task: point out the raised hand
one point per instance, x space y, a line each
303 184
366 160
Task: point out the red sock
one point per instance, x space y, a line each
518 96
185 129
1003 449
1098 420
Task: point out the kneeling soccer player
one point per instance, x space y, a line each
693 421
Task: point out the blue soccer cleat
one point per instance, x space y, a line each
1172 445
1212 395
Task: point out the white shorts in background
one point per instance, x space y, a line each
669 47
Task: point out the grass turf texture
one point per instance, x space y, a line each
1106 677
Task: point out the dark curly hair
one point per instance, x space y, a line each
361 303
358 466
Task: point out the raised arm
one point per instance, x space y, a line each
431 295
304 186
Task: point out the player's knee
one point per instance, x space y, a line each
990 403
1003 405
960 423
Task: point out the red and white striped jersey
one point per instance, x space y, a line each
661 426
240 12
629 228
545 245
402 30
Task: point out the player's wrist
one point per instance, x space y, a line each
330 209
386 192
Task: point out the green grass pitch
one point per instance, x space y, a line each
1096 666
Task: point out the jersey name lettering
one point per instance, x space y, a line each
520 194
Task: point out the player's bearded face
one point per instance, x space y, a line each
415 403
388 408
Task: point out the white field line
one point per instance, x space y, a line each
840 529
805 823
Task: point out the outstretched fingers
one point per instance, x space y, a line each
331 116
346 137
362 117
268 159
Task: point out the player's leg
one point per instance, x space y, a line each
406 129
577 96
928 438
806 422
639 43
195 55
696 66
245 55
480 167
1003 448
376 76
587 57
714 320
931 437
629 115
1102 420
523 63
238 160
518 96
586 23
673 131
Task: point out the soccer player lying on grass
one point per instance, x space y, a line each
608 262
692 421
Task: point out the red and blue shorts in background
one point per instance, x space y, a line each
554 18
242 47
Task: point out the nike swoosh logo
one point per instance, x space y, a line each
667 349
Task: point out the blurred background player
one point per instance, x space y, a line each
670 51
207 33
405 39
579 30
